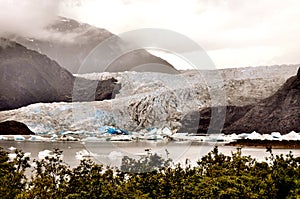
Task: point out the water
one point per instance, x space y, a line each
111 153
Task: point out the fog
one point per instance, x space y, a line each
27 18
234 33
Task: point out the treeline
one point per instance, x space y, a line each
215 176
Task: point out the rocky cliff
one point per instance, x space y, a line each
27 77
14 128
278 113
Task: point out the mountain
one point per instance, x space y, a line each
70 42
277 113
27 77
14 128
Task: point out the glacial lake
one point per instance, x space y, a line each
111 153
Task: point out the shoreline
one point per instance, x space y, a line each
276 144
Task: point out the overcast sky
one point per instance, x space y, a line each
234 33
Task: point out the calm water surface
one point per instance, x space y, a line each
111 153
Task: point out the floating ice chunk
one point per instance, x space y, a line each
291 136
3 137
121 138
67 138
217 138
117 131
53 137
267 137
154 131
19 138
243 135
276 135
179 136
167 131
93 139
37 138
255 136
67 133
114 155
233 137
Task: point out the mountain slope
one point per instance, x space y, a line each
280 112
76 40
14 128
277 113
28 77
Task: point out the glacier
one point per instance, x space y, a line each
145 100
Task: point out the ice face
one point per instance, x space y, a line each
145 100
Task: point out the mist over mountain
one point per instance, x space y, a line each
27 77
70 42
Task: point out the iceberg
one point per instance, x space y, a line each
291 136
267 137
37 138
3 137
276 135
121 138
93 139
254 136
19 138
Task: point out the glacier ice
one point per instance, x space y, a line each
19 138
146 100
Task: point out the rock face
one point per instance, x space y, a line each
200 122
28 77
14 128
79 39
277 113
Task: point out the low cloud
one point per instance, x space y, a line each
27 18
235 33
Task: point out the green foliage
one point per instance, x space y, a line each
13 180
144 164
215 176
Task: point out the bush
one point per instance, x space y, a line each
215 176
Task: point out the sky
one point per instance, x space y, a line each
234 33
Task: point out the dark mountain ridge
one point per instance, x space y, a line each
14 128
27 77
277 113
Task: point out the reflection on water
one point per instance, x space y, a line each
111 153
